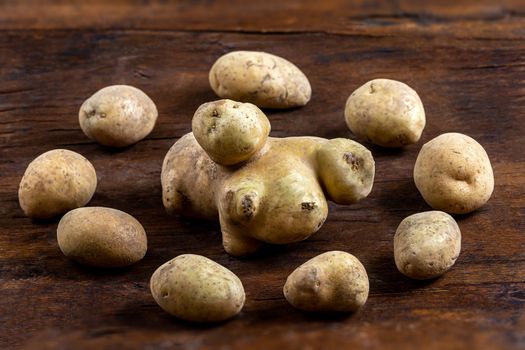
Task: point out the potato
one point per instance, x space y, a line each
118 116
101 237
261 189
195 288
385 112
427 244
55 182
229 131
453 174
263 79
331 282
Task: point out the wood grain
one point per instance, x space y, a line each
465 59
486 19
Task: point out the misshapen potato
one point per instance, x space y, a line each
263 79
385 112
277 195
331 282
101 237
55 182
195 288
118 116
427 244
453 174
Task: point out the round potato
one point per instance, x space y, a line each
453 174
55 182
426 245
101 237
118 116
230 132
263 79
331 282
195 288
385 112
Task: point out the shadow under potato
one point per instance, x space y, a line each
380 151
327 316
287 314
148 315
64 268
398 196
47 221
385 278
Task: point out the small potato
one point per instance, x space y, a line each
118 116
385 112
195 288
427 244
230 132
263 79
101 237
331 282
55 182
453 174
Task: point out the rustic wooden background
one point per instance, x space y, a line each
465 58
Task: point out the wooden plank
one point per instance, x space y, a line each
473 85
458 18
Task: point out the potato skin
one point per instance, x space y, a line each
231 132
453 174
55 182
188 179
118 116
347 170
101 237
263 79
334 281
197 289
427 244
385 112
276 198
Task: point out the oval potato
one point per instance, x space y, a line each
118 116
55 182
263 79
453 174
427 244
334 281
195 288
101 237
385 112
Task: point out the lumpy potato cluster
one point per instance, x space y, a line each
261 189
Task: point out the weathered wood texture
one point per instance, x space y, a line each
466 59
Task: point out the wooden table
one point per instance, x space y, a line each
466 59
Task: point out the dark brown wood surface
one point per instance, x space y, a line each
466 59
